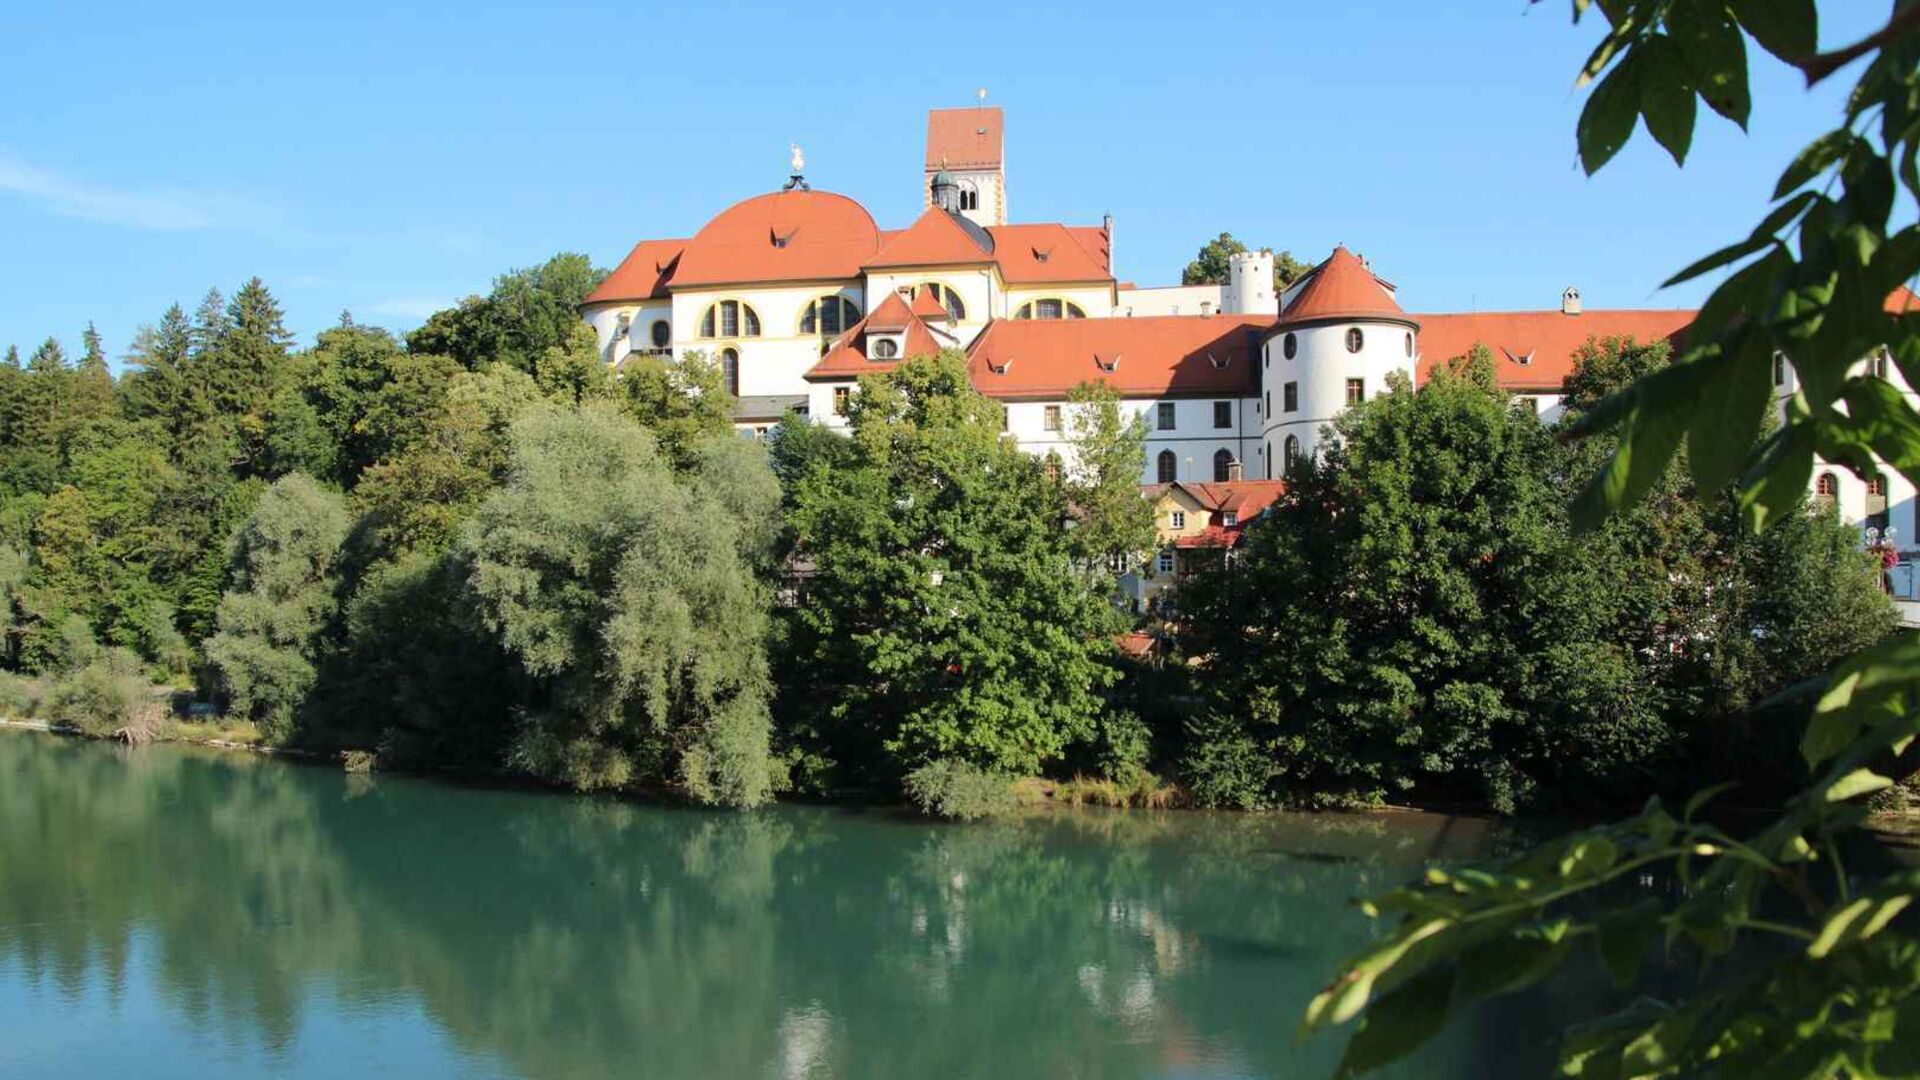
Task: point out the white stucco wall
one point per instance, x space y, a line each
1095 300
777 361
1321 366
1171 300
1193 439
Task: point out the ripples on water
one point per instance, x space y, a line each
176 912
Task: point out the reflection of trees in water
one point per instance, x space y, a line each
578 937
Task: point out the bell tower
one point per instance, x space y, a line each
965 154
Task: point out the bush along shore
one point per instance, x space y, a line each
481 550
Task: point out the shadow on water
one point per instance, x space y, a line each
176 909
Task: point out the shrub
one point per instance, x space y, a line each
957 790
1225 765
108 695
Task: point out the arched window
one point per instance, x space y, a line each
829 315
969 196
1289 345
661 333
1052 465
1292 455
730 318
1355 339
1877 502
949 299
730 370
885 348
1164 467
1050 308
1409 343
1222 466
1826 491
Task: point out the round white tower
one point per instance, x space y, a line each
1250 284
1336 344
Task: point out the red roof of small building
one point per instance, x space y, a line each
1154 356
965 138
1034 254
1534 350
1245 498
1137 643
927 306
1341 288
935 239
783 236
847 357
1902 300
642 275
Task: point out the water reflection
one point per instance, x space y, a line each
293 919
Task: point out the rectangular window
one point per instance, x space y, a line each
1165 562
1223 414
1779 369
1177 519
1267 403
1229 518
1046 309
1877 365
1290 397
1165 416
729 319
1356 391
1051 420
840 395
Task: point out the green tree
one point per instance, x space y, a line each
528 312
944 618
683 402
1828 985
1212 265
272 622
625 594
1113 521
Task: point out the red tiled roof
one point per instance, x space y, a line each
1902 300
1244 498
965 138
1213 536
935 239
847 358
783 236
642 275
1341 288
1150 357
927 307
1534 350
1030 254
1138 644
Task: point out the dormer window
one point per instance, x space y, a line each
1229 518
781 239
1042 254
1107 364
999 367
885 348
1220 362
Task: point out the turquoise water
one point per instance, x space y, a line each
173 912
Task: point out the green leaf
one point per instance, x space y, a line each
1702 797
1607 121
1722 431
1729 254
1590 855
1818 157
1856 783
1505 964
1343 1000
1715 55
1654 426
1862 679
1623 939
1666 100
1777 482
1399 1022
1789 29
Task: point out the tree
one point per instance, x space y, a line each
1113 522
528 312
1212 265
625 594
1828 986
944 617
683 402
272 621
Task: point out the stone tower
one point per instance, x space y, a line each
967 145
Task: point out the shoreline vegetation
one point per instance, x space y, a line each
483 551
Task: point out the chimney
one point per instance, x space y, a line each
1106 224
1570 300
1233 472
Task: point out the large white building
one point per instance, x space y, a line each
799 292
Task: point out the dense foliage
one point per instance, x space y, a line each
1416 618
1824 974
1212 264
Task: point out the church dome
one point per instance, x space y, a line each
795 235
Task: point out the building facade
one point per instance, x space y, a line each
797 293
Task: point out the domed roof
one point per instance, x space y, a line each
1342 288
795 235
943 178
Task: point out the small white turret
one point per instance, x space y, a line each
1250 284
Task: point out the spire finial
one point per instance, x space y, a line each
981 94
799 159
798 179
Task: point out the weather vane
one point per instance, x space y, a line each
798 179
981 94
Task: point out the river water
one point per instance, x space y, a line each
177 912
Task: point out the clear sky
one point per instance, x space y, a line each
388 159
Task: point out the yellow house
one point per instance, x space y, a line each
1195 525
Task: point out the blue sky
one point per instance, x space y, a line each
389 159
